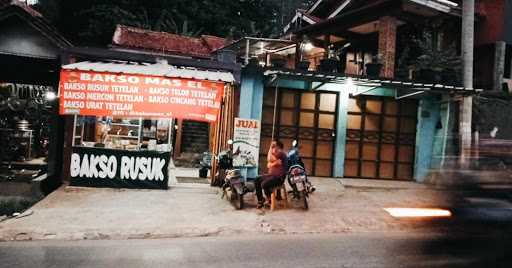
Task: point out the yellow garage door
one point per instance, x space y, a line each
309 118
381 135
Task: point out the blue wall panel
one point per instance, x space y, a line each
429 115
251 105
341 132
428 118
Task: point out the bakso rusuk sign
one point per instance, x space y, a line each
127 95
97 167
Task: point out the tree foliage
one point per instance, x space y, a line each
429 46
92 22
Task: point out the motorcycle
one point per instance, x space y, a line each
297 176
224 164
234 185
233 188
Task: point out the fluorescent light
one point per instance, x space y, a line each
50 96
448 3
417 212
31 2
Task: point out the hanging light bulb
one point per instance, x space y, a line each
350 86
50 96
308 46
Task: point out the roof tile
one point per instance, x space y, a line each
131 37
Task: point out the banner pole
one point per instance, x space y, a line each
275 111
170 136
74 131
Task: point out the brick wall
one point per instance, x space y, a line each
387 45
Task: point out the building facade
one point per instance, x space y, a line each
362 129
343 91
191 138
31 133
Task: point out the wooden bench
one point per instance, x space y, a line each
284 195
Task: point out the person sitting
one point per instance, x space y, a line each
276 164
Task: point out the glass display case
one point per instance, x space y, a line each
122 133
129 152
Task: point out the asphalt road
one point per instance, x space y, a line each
343 250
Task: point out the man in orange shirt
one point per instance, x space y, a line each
276 164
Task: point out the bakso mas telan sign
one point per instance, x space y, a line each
127 95
96 167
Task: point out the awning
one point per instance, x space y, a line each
403 88
158 69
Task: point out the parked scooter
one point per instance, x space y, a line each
224 164
297 176
235 186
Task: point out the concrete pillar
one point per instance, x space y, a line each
468 35
298 51
341 133
177 145
69 124
387 45
499 65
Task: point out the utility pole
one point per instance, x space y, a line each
466 105
282 15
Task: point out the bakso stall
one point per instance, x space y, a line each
123 118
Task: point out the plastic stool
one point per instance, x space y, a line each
273 198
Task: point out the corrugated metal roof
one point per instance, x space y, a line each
158 69
313 76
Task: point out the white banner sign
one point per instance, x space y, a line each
246 142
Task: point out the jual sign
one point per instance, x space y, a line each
130 95
246 142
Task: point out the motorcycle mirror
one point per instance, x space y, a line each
230 141
294 143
